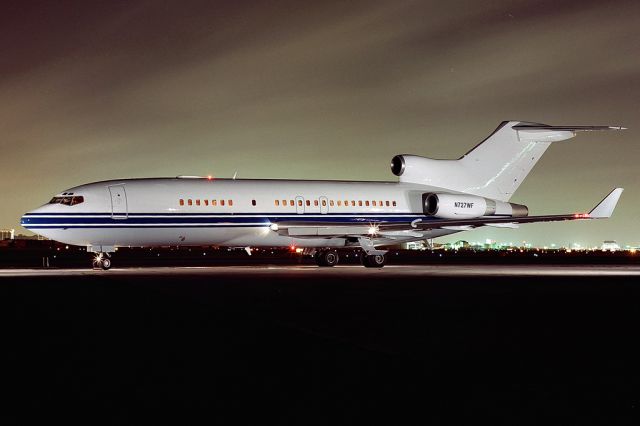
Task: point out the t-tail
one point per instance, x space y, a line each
494 168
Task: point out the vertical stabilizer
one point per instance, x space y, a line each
501 162
494 168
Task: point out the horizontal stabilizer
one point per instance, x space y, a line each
605 208
531 126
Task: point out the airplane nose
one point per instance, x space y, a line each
26 220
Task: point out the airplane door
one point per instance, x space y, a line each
324 205
118 202
299 205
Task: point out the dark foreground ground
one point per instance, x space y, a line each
293 346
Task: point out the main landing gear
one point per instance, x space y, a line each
102 261
327 258
331 258
374 260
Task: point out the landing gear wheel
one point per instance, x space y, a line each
102 261
106 263
373 261
327 258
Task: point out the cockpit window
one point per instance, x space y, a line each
77 200
67 201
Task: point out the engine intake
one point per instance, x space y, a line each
398 165
461 206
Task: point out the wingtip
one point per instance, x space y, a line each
605 208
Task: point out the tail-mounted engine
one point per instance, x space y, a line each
460 206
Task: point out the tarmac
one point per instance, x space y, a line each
300 344
341 272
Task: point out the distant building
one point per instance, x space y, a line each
7 234
414 245
30 237
455 246
610 245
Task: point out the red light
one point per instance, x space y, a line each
210 177
292 247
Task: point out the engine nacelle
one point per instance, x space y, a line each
460 206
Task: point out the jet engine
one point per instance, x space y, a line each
461 206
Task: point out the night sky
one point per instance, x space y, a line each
95 90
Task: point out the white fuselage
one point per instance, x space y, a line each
224 212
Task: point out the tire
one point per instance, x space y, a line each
327 258
106 263
374 261
331 258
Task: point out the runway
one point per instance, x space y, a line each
439 344
342 272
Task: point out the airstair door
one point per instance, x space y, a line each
119 208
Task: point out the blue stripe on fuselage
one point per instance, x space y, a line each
77 221
269 214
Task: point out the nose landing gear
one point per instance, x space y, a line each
102 261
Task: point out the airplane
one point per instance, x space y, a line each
431 198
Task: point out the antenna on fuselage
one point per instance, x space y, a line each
235 174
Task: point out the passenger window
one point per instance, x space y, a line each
181 202
197 202
366 203
230 203
374 203
277 202
353 203
222 202
315 203
300 203
214 202
339 203
387 203
253 202
308 203
331 203
324 203
284 203
380 203
394 204
190 202
206 202
360 203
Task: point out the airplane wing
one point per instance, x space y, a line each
603 210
